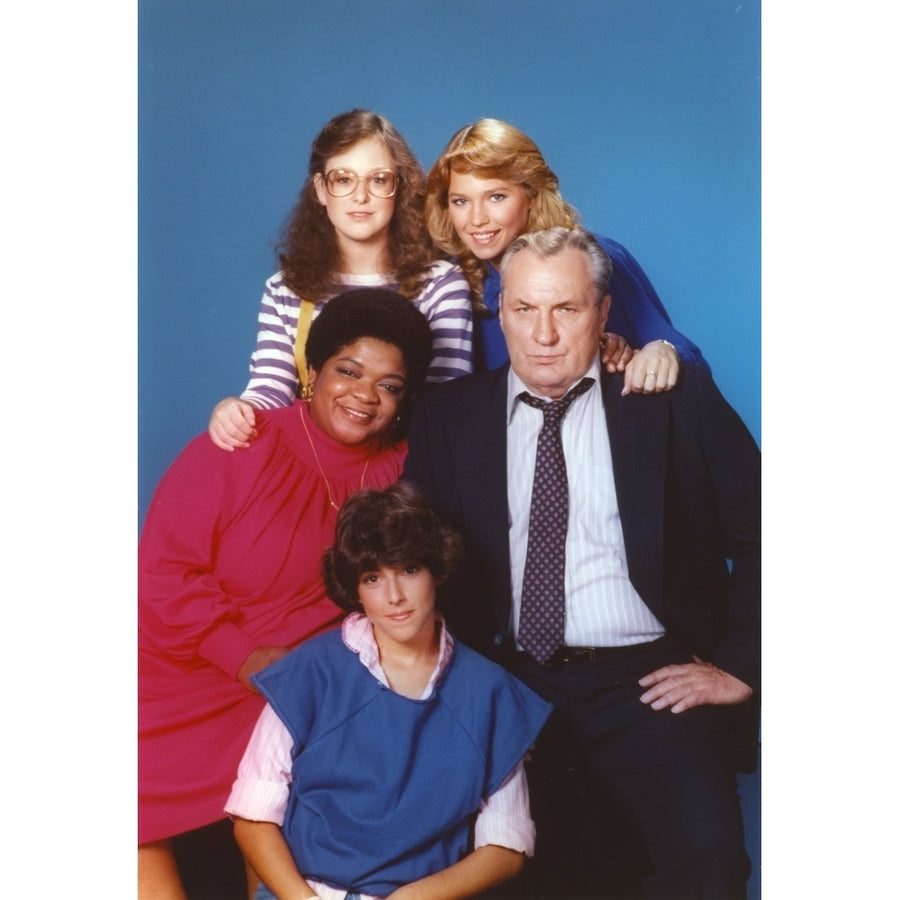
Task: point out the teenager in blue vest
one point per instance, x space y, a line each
383 740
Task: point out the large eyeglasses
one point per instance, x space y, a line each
343 182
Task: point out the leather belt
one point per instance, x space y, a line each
565 655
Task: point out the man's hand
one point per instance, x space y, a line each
698 683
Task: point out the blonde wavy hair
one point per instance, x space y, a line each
490 148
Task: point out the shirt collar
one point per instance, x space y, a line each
515 386
357 634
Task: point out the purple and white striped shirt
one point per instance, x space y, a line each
445 302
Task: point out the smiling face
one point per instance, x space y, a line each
359 218
487 213
400 602
358 392
551 319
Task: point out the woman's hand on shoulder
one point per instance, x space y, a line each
232 424
614 352
652 370
258 660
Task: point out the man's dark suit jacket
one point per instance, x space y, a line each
687 475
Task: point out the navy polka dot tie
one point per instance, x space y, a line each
543 613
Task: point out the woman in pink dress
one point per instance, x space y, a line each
229 558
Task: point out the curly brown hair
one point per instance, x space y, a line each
308 249
393 527
490 148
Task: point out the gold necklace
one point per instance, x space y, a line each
362 477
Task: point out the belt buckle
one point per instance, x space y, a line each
565 655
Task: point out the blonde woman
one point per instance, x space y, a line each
492 184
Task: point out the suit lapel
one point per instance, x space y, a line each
481 444
638 437
481 451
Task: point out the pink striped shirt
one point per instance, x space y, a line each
261 790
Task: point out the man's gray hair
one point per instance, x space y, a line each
554 240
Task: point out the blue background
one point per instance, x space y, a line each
647 110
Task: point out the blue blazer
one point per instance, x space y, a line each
687 475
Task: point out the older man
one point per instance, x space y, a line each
614 556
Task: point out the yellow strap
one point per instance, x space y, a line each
303 321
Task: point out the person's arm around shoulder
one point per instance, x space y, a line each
640 313
653 369
273 370
232 424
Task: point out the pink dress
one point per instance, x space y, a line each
229 561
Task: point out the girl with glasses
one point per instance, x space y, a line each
359 222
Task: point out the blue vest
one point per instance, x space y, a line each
383 786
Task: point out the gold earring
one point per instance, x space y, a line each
307 392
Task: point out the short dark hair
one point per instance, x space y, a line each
374 313
393 527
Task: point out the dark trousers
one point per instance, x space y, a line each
671 776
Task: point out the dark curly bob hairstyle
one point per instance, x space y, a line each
374 313
394 527
308 250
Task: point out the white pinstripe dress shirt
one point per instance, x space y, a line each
602 607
